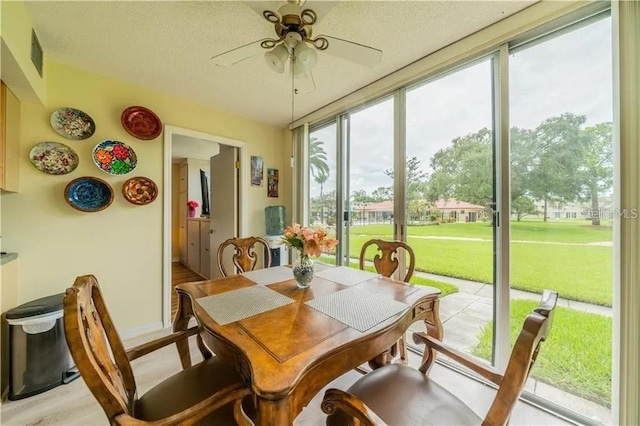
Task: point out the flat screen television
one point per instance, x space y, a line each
204 186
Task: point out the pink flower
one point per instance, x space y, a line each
308 241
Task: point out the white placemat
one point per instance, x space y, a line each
272 275
345 275
359 309
243 303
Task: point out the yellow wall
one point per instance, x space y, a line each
17 69
175 211
121 245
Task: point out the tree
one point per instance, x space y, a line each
361 196
318 159
556 157
383 193
463 170
318 168
415 180
523 206
322 179
522 143
596 172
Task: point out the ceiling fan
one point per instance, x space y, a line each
294 41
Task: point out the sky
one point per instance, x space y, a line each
571 72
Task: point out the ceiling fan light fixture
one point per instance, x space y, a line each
277 58
305 57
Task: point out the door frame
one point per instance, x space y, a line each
243 198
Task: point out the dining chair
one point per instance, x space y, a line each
386 263
244 256
207 393
401 395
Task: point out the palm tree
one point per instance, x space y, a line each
317 159
321 179
319 168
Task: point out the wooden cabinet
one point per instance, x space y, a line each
193 244
182 213
198 246
205 249
9 139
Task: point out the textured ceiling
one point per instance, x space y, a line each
167 46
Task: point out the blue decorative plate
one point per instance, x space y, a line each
88 194
114 157
72 123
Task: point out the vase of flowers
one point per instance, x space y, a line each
192 204
308 242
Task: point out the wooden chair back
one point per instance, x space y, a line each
535 330
386 263
244 257
97 349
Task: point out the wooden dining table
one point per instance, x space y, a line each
288 354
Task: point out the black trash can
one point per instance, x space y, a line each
39 357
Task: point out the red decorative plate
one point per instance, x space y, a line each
140 190
141 122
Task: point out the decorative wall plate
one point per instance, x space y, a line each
114 157
141 122
88 194
140 190
72 123
54 158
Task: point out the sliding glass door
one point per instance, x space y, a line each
369 206
450 196
562 203
499 174
323 178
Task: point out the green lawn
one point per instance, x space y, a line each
576 272
576 357
576 231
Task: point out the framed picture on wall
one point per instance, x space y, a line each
257 171
272 182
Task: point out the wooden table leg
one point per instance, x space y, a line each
381 360
273 413
435 329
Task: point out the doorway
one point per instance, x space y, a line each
195 148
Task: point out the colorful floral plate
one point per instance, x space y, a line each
88 194
140 190
72 123
141 122
114 157
54 158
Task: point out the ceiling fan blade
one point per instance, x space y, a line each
354 52
321 8
239 54
260 6
304 83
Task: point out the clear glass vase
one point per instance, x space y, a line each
303 271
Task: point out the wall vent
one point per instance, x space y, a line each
36 52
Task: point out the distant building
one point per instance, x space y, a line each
573 210
461 211
382 212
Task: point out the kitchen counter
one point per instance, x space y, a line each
6 258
